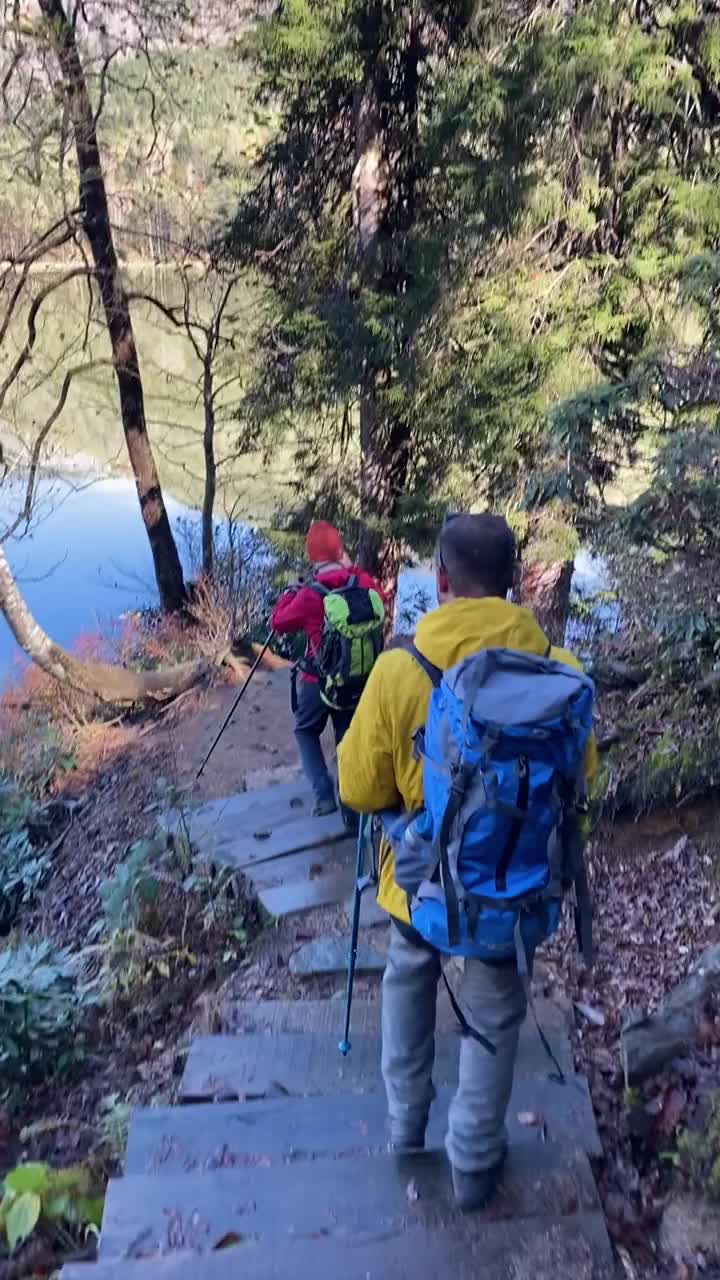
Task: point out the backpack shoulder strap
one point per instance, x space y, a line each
548 650
318 586
434 673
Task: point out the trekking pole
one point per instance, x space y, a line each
361 884
234 706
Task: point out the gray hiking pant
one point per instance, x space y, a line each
493 1000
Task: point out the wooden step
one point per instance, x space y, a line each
228 1068
543 1248
324 1017
204 1137
327 889
147 1214
257 826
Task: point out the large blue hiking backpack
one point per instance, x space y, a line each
487 860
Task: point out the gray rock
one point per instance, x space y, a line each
650 1041
690 1226
330 955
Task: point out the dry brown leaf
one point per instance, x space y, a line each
228 1241
531 1119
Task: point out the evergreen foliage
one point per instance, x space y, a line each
535 180
400 166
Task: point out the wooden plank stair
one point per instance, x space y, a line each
293 1178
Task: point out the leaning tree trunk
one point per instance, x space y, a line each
98 229
98 679
545 588
210 489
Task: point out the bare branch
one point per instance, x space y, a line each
35 457
27 350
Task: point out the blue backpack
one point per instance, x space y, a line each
486 861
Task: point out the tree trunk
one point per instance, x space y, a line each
545 588
383 210
100 680
369 199
97 227
210 490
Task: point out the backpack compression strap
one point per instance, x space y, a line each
431 671
460 784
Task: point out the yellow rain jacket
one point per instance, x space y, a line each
376 765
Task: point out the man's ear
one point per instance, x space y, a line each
443 582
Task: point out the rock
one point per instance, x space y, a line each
649 1041
330 955
690 1226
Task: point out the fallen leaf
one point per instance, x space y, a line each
672 1111
531 1119
227 1241
412 1192
594 1016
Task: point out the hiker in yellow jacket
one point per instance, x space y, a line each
475 566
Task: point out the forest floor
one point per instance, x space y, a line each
657 907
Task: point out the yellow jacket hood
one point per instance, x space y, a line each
454 631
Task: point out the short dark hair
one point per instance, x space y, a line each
478 554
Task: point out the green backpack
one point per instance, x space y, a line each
352 640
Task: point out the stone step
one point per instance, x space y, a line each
146 1214
257 826
201 1138
542 1248
324 1017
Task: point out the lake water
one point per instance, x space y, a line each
86 560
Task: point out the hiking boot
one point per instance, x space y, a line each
407 1146
475 1190
405 1142
322 808
351 821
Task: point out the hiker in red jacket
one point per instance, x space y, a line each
301 608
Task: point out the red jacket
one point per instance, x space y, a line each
303 609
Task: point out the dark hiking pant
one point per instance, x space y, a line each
311 717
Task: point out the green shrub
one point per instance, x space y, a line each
698 1154
22 868
22 871
42 1007
132 892
59 1203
